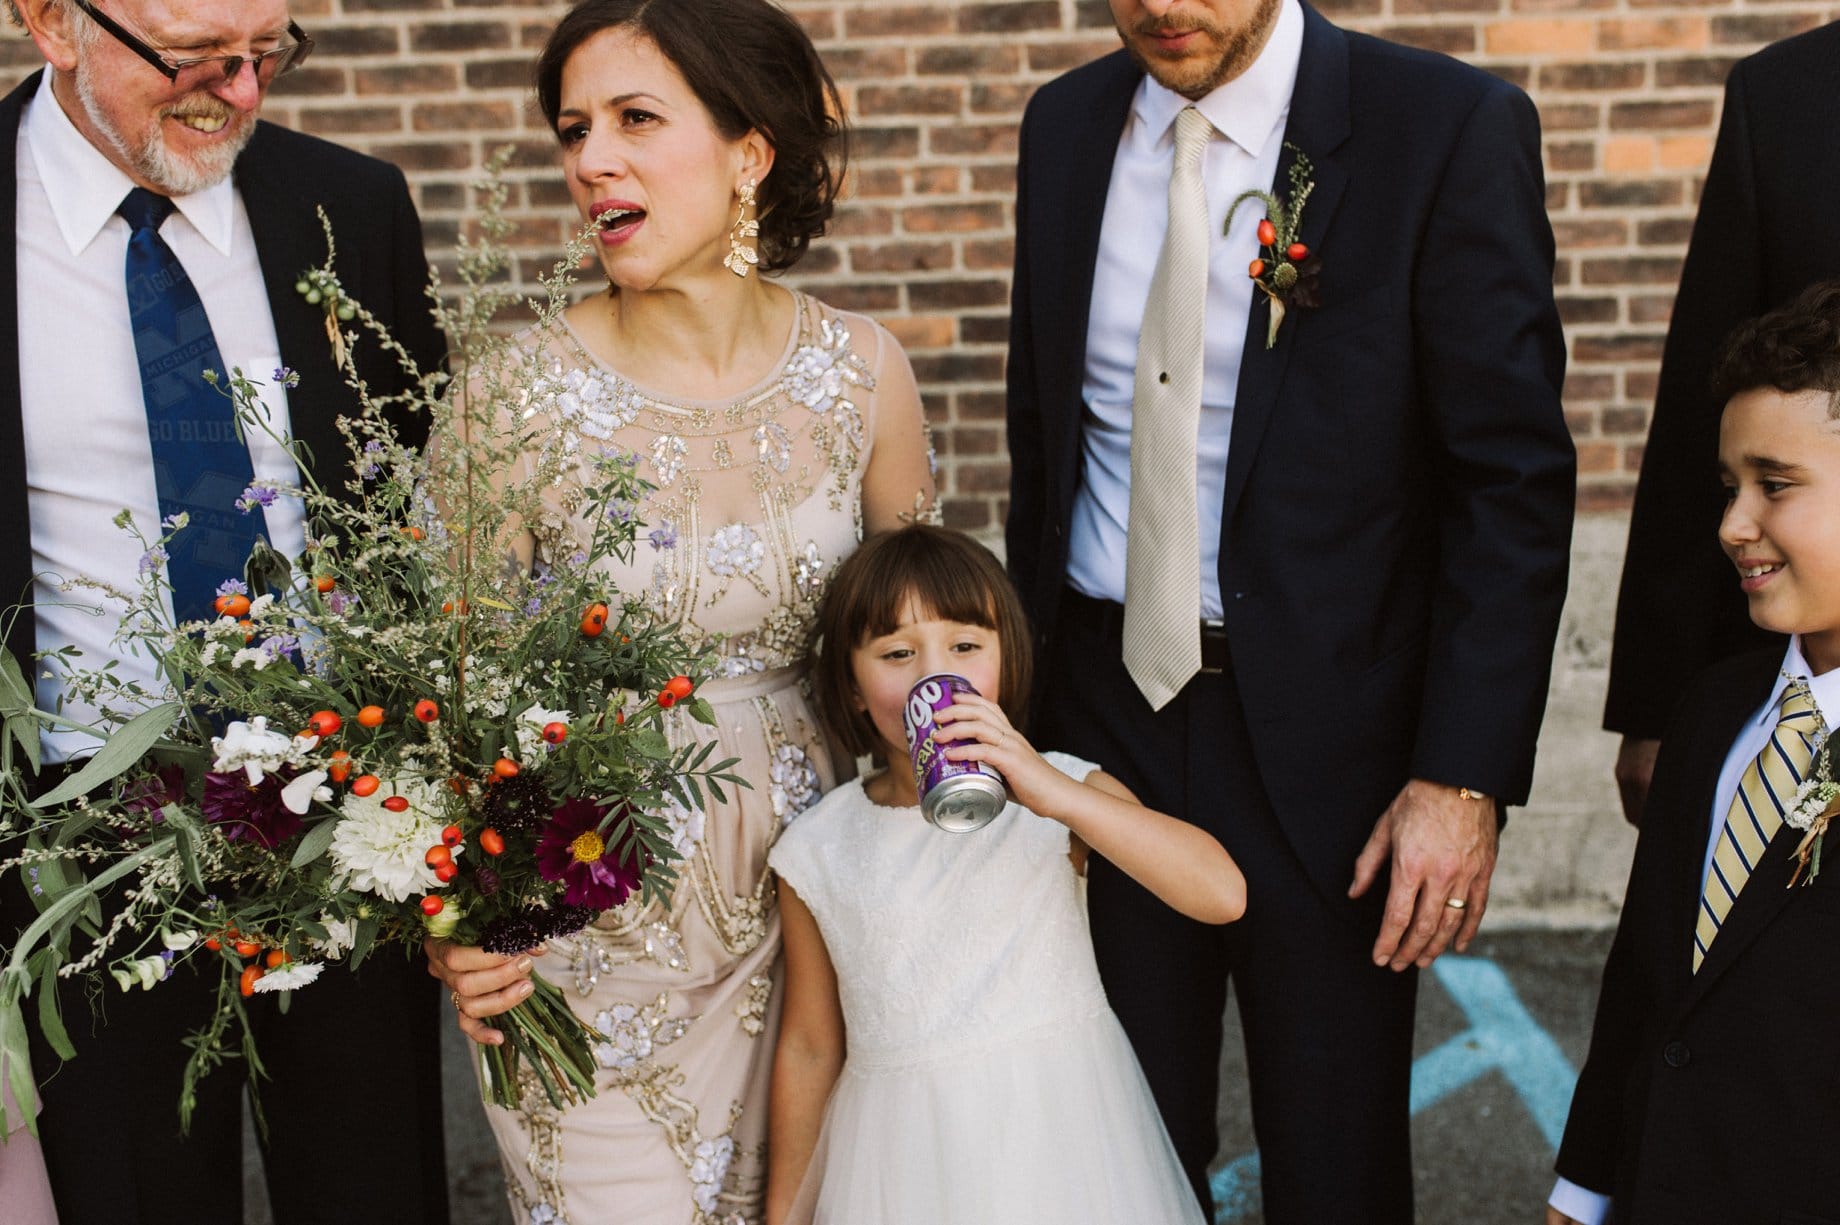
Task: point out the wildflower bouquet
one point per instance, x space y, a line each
405 730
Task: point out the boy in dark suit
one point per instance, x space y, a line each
1711 1095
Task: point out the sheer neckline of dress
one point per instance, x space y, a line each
801 303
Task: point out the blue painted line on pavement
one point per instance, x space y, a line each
1236 1190
1502 1036
1506 1037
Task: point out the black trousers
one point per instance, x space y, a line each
1328 1034
352 1098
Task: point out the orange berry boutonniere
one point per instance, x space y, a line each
1286 270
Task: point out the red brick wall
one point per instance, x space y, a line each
1628 90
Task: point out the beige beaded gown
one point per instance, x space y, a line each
757 498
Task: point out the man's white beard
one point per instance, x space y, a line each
151 159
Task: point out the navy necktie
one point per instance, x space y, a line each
201 467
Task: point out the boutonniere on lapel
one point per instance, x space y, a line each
1816 804
322 289
1286 270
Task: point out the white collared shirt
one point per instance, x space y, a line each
1248 114
1589 1207
85 423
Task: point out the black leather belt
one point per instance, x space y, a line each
1108 617
1215 657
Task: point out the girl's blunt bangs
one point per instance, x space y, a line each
948 574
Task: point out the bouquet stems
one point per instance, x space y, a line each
545 1034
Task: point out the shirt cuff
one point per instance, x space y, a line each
1585 1207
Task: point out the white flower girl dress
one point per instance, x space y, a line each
987 1081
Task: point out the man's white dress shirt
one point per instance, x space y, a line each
1248 114
86 447
1568 1197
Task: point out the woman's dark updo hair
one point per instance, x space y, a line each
754 69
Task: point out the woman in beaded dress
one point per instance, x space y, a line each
776 432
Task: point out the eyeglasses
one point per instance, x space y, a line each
206 71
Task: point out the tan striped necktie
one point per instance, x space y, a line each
1162 583
1765 792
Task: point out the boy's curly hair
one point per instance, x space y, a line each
1792 349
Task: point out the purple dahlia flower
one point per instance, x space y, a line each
252 812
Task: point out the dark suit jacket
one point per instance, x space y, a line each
283 176
1398 500
1714 1098
1767 228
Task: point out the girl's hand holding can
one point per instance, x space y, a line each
974 728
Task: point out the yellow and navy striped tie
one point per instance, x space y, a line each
1765 793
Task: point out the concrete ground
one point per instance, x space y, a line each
1501 1033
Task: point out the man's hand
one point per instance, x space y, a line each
1443 850
1635 770
1555 1217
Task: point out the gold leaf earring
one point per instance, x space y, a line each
742 255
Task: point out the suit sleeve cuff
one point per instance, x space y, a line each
1585 1207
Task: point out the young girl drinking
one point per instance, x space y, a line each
940 990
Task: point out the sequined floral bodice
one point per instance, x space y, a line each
943 941
755 497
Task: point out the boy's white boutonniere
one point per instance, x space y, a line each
1816 803
1286 270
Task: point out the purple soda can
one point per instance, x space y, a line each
958 796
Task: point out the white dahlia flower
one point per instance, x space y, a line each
381 851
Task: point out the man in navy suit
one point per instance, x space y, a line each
163 96
1382 497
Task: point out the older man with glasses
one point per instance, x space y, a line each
159 229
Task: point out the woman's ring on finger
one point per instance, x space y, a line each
455 997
